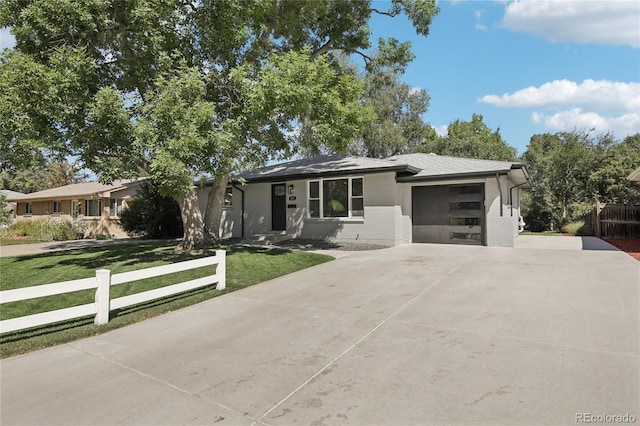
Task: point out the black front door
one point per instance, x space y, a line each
278 207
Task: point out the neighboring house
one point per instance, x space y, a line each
97 205
11 206
409 198
635 175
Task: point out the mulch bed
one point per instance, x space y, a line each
631 246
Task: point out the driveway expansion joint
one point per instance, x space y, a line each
159 381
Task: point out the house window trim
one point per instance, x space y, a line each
121 202
86 208
228 198
58 204
321 218
28 209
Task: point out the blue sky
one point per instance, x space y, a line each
528 66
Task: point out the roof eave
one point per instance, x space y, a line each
332 173
450 176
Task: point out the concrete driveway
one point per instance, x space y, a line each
415 334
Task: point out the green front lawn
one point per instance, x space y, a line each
245 267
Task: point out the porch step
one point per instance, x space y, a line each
268 238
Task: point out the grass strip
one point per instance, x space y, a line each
246 266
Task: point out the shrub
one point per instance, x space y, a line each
152 215
576 228
102 236
47 229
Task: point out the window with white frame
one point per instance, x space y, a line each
336 198
228 197
115 207
93 208
28 208
56 207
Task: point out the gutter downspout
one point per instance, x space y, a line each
511 196
501 196
241 210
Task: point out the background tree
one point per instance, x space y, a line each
614 161
41 175
471 139
396 126
240 76
5 212
570 171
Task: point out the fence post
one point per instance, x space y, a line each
221 270
103 301
597 219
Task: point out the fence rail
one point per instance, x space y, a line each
102 282
614 221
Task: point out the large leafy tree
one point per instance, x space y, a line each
570 171
179 89
471 139
396 126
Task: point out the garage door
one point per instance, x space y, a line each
451 214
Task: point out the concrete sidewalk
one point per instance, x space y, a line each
415 334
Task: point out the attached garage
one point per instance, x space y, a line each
452 214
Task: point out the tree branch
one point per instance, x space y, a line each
379 12
366 58
323 49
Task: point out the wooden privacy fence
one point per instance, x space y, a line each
102 282
614 221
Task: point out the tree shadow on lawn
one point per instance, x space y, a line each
129 255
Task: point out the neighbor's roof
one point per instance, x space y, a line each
434 166
10 194
635 175
323 165
77 190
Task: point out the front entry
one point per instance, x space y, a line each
278 207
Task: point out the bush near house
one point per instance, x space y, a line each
152 215
575 228
45 229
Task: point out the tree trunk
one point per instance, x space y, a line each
194 235
215 203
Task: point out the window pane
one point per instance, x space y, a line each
336 197
464 236
314 189
466 221
92 207
228 196
465 189
356 187
314 208
357 207
465 205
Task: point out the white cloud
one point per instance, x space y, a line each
6 39
595 94
612 22
442 130
576 118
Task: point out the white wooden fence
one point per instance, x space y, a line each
102 282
